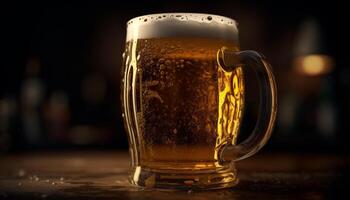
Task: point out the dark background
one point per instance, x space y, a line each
65 58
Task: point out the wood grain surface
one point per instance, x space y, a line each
103 175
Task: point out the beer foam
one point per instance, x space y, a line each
182 25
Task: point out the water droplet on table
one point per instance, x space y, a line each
36 178
21 172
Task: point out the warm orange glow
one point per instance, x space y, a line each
313 65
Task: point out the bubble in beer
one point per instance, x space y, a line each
189 182
209 18
167 62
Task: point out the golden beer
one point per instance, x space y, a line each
186 105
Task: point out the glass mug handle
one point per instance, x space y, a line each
228 60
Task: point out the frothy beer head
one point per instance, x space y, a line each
182 24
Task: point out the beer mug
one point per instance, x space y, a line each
183 100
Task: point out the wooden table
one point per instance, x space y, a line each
103 175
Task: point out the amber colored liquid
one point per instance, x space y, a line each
185 105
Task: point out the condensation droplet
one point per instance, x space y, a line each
188 182
188 63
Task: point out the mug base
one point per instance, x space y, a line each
184 180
